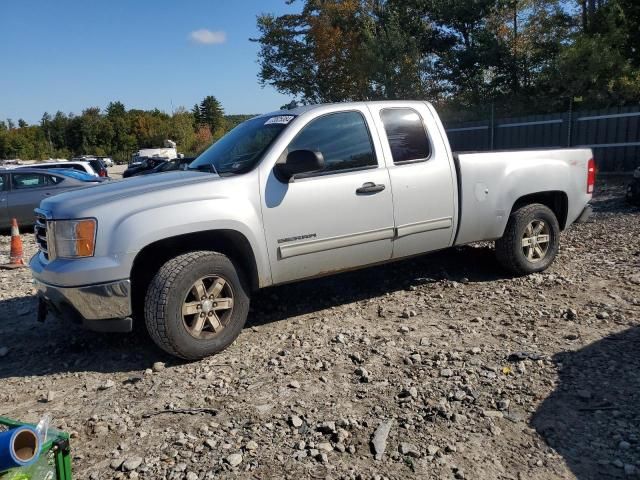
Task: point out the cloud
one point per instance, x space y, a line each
207 37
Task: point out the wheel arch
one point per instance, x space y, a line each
557 201
149 259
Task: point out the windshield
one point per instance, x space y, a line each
242 148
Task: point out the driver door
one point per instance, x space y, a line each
326 221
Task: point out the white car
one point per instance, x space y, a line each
82 166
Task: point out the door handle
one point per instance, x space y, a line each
370 187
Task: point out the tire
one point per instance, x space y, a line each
174 289
510 249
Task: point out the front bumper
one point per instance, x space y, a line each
104 307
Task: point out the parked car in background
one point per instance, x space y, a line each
98 165
81 165
169 166
146 164
22 190
167 152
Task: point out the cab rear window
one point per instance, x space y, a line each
407 137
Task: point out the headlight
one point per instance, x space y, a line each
74 238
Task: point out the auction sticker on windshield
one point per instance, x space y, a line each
283 119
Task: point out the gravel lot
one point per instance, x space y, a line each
436 367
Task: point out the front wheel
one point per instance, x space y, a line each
530 241
196 305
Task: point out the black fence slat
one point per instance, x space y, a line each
612 133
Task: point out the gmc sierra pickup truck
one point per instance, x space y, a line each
287 196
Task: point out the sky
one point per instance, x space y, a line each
72 54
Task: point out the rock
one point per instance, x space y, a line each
4 351
404 329
158 366
192 476
379 441
409 450
624 445
602 315
107 385
211 443
234 459
446 372
411 392
51 395
325 447
520 356
492 414
131 463
503 404
116 463
340 338
432 450
295 421
363 373
294 384
630 469
251 446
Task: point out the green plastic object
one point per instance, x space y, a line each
54 462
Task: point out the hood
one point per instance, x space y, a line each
78 203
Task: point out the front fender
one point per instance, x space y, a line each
135 231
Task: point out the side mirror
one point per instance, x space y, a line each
297 162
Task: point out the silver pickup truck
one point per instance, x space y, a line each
287 196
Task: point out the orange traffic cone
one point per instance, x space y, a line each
16 256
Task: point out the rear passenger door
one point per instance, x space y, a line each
422 181
4 193
27 191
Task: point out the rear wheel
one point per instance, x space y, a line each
530 241
196 305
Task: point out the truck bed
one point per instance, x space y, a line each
489 184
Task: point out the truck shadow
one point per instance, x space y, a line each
463 264
57 346
592 418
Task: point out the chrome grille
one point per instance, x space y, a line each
40 230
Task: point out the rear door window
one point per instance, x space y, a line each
23 181
407 137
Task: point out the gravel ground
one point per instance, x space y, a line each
436 367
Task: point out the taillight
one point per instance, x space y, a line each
102 173
591 175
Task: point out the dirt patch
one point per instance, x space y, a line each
456 370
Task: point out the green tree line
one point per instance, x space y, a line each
525 56
116 131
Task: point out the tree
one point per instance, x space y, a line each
211 114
